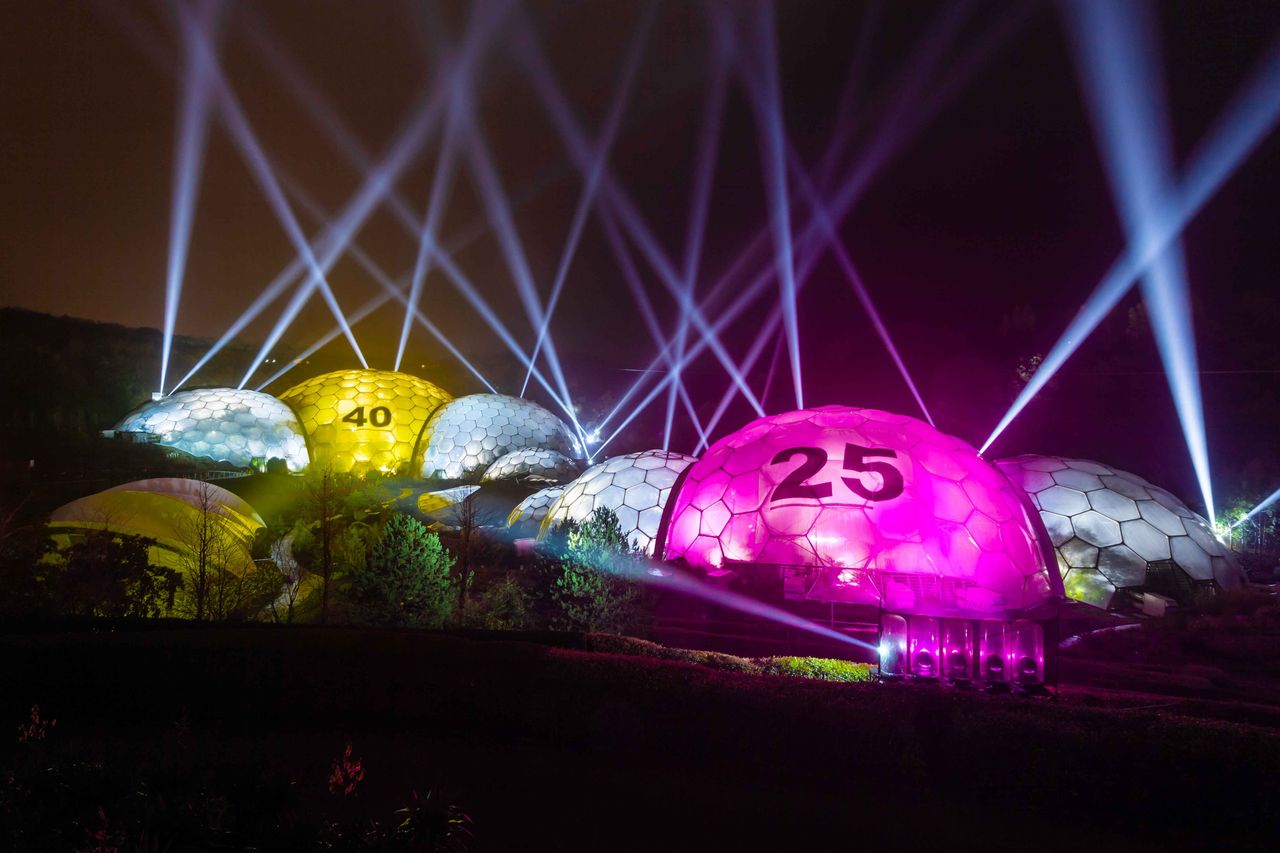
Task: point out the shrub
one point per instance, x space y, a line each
822 669
593 591
406 578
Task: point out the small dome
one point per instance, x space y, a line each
223 424
168 510
1113 530
469 434
361 420
634 486
533 464
431 502
527 517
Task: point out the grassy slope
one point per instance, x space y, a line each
573 747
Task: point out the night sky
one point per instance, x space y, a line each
978 240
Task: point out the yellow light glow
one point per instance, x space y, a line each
357 420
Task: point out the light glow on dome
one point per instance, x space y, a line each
527 516
1113 530
466 436
223 424
363 420
635 486
863 507
168 510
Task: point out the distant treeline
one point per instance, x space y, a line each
74 376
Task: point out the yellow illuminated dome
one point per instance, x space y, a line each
358 420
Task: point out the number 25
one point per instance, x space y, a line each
795 484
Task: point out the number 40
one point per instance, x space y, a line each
379 416
796 484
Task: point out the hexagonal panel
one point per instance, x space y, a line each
1122 566
1096 529
1147 541
1063 500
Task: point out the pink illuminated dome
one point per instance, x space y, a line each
859 506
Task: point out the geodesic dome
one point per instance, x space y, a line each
223 424
635 486
469 434
861 506
528 514
1112 530
532 464
359 420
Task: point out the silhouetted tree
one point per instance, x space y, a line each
466 520
24 572
326 493
110 574
208 554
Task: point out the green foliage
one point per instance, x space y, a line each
110 574
406 580
822 669
594 590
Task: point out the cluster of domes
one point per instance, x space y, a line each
354 421
846 503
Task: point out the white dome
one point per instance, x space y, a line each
223 424
533 464
529 513
635 486
1113 530
469 434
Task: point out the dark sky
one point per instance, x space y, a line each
978 240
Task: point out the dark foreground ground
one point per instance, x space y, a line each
224 738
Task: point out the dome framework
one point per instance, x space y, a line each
1115 533
635 486
236 426
468 435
